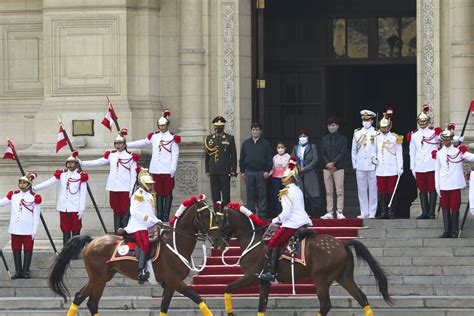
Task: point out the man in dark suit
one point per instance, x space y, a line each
221 161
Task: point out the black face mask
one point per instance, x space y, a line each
219 130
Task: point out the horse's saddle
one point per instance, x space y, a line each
295 247
126 250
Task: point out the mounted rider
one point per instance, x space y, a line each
142 217
292 217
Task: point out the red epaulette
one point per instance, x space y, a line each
38 198
463 149
107 154
10 194
57 173
136 157
411 133
438 131
433 154
84 177
151 134
177 139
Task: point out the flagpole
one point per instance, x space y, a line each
87 184
22 171
115 120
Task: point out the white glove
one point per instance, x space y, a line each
276 220
400 172
461 139
471 210
438 191
172 175
375 160
33 235
414 174
79 215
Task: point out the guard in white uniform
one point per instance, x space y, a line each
164 161
72 196
389 164
449 180
363 159
24 223
142 217
292 217
422 143
121 180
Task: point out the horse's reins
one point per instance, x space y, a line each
199 236
249 247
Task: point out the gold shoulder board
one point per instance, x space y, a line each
399 139
138 196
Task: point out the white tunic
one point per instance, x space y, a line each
25 212
165 151
293 213
363 149
449 174
422 143
142 211
73 190
122 174
389 155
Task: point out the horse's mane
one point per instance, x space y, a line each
185 205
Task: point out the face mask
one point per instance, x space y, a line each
303 140
255 134
281 151
219 130
332 129
366 124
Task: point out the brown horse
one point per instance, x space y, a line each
198 220
327 259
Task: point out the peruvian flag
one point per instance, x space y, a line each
9 151
110 117
62 141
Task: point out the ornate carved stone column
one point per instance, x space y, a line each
191 55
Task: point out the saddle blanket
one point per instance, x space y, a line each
125 250
300 253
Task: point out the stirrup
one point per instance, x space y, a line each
266 276
143 276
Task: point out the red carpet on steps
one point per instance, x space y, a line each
213 280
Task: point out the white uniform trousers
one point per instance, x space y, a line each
367 189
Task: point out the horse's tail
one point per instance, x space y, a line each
58 269
363 253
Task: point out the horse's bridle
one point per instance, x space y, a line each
213 216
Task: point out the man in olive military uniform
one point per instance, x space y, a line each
221 161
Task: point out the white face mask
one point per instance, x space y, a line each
303 140
366 124
281 151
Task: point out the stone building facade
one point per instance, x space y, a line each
63 57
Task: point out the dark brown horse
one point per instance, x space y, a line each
197 220
327 259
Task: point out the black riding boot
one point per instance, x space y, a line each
124 220
432 205
17 259
66 237
392 208
381 207
269 274
159 206
117 222
447 224
26 265
167 208
424 206
143 274
455 224
75 234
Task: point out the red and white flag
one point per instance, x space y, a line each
9 151
110 117
62 141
